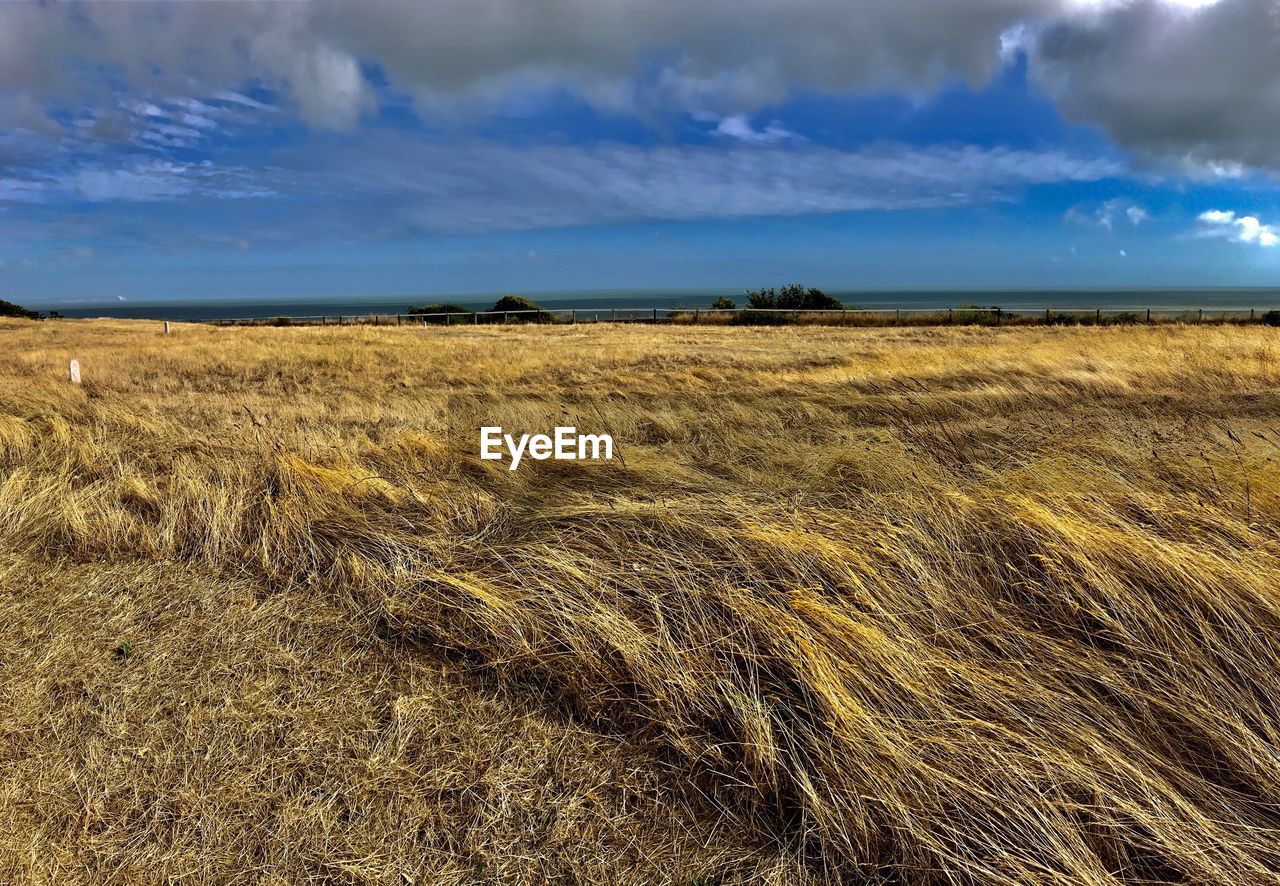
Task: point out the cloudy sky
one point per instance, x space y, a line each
215 148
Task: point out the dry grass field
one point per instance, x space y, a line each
909 606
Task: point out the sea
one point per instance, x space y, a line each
1157 299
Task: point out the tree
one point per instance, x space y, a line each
9 309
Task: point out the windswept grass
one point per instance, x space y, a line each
915 605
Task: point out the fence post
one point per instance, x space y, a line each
1046 315
897 315
1097 315
951 315
696 312
1148 315
1200 315
655 315
1251 313
573 317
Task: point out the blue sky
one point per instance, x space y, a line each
299 150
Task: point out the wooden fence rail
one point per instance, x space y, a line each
764 316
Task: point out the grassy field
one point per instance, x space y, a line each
956 606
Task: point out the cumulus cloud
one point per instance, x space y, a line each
1238 228
1194 84
722 56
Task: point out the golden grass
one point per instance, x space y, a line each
915 605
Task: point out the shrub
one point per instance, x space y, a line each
724 304
439 308
760 318
450 312
793 297
1123 318
515 303
1271 318
281 321
976 315
9 309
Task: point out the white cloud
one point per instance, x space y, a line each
1238 228
487 186
1104 215
419 185
1217 217
135 181
1198 87
740 128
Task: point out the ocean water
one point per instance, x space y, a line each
1029 299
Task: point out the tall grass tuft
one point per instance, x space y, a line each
930 606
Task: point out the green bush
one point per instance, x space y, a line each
724 304
449 313
9 309
439 308
1271 318
1123 318
515 303
792 297
760 318
976 315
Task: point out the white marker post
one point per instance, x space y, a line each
74 371
166 327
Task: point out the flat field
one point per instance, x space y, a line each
959 606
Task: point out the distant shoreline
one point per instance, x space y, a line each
1129 299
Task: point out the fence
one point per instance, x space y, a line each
994 316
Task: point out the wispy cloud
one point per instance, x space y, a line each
739 127
134 180
1106 214
488 186
326 187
